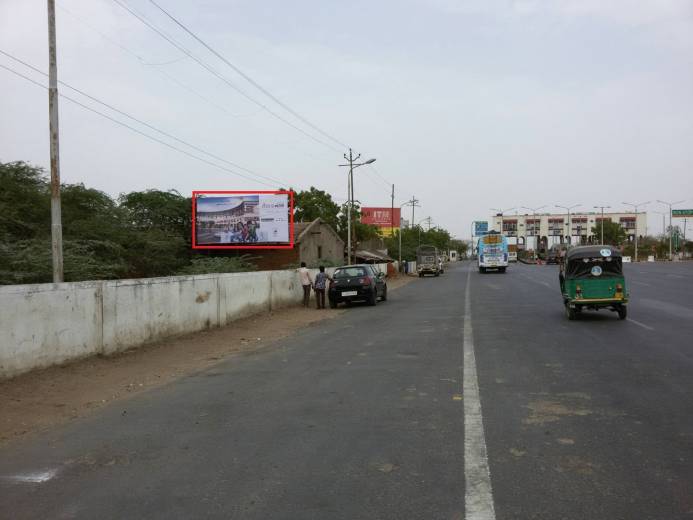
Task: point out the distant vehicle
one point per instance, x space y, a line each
427 261
361 282
512 249
592 278
492 252
554 254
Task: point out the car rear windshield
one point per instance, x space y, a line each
350 272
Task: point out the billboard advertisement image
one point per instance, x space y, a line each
242 220
383 218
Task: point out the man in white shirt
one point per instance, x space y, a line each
306 282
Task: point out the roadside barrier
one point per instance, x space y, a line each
42 325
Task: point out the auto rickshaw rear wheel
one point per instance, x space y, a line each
569 312
622 312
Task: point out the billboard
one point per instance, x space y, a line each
242 220
383 218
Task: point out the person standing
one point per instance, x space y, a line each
306 282
319 285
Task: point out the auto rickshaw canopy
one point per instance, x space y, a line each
580 262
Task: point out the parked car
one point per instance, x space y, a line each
361 282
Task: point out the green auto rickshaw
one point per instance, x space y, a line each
591 277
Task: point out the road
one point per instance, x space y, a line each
467 393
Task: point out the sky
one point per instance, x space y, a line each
466 105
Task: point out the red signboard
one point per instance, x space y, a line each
381 217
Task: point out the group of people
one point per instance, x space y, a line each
318 285
242 232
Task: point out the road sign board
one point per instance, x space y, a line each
682 213
480 227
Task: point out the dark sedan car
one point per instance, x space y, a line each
361 282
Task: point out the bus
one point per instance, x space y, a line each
492 252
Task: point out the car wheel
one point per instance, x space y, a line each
622 312
569 312
373 298
420 275
383 297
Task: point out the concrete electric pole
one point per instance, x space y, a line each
56 217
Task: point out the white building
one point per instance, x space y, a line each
550 229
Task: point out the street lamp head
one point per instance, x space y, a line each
369 161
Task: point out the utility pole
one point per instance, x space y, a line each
635 208
392 212
671 227
56 217
413 202
602 208
350 191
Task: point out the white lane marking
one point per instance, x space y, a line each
37 477
545 284
478 497
640 283
640 324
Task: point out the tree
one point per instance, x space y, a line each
361 232
154 209
25 210
614 234
313 203
412 238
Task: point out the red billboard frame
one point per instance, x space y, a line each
290 245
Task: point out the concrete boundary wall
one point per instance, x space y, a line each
48 324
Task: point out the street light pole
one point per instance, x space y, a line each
534 228
350 202
671 227
570 227
56 216
413 202
635 208
602 208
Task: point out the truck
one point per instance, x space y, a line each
492 252
428 261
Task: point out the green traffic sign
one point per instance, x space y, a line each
682 213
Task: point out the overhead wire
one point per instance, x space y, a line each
132 128
144 123
154 66
211 70
247 77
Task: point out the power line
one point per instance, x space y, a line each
144 123
220 76
246 77
154 66
129 127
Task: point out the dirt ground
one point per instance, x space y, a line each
43 399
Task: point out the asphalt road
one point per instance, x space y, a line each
375 415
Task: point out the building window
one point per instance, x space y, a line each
319 252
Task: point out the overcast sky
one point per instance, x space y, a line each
467 105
